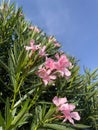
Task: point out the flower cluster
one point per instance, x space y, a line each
51 69
66 109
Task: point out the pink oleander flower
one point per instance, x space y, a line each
52 39
67 110
46 75
63 60
59 101
66 72
32 46
62 64
50 63
31 27
63 107
34 28
56 44
42 51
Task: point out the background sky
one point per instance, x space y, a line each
74 23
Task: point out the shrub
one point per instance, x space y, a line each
36 77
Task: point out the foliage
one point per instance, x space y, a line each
25 101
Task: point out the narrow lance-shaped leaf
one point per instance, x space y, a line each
57 127
20 115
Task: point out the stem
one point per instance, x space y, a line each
51 119
16 90
36 127
23 98
35 98
12 106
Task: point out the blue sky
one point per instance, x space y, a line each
74 23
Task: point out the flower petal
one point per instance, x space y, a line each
71 120
32 43
75 115
28 48
64 107
59 101
67 72
71 107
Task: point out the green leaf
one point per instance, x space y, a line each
57 127
8 114
20 114
81 126
38 111
32 71
24 119
21 60
2 64
18 103
91 95
50 112
1 120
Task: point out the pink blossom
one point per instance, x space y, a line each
67 109
32 46
59 101
63 107
62 64
46 75
52 39
31 27
64 72
34 28
56 44
42 51
50 63
63 61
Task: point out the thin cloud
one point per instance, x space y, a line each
55 16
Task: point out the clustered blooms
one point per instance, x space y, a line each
66 109
52 39
51 68
46 75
